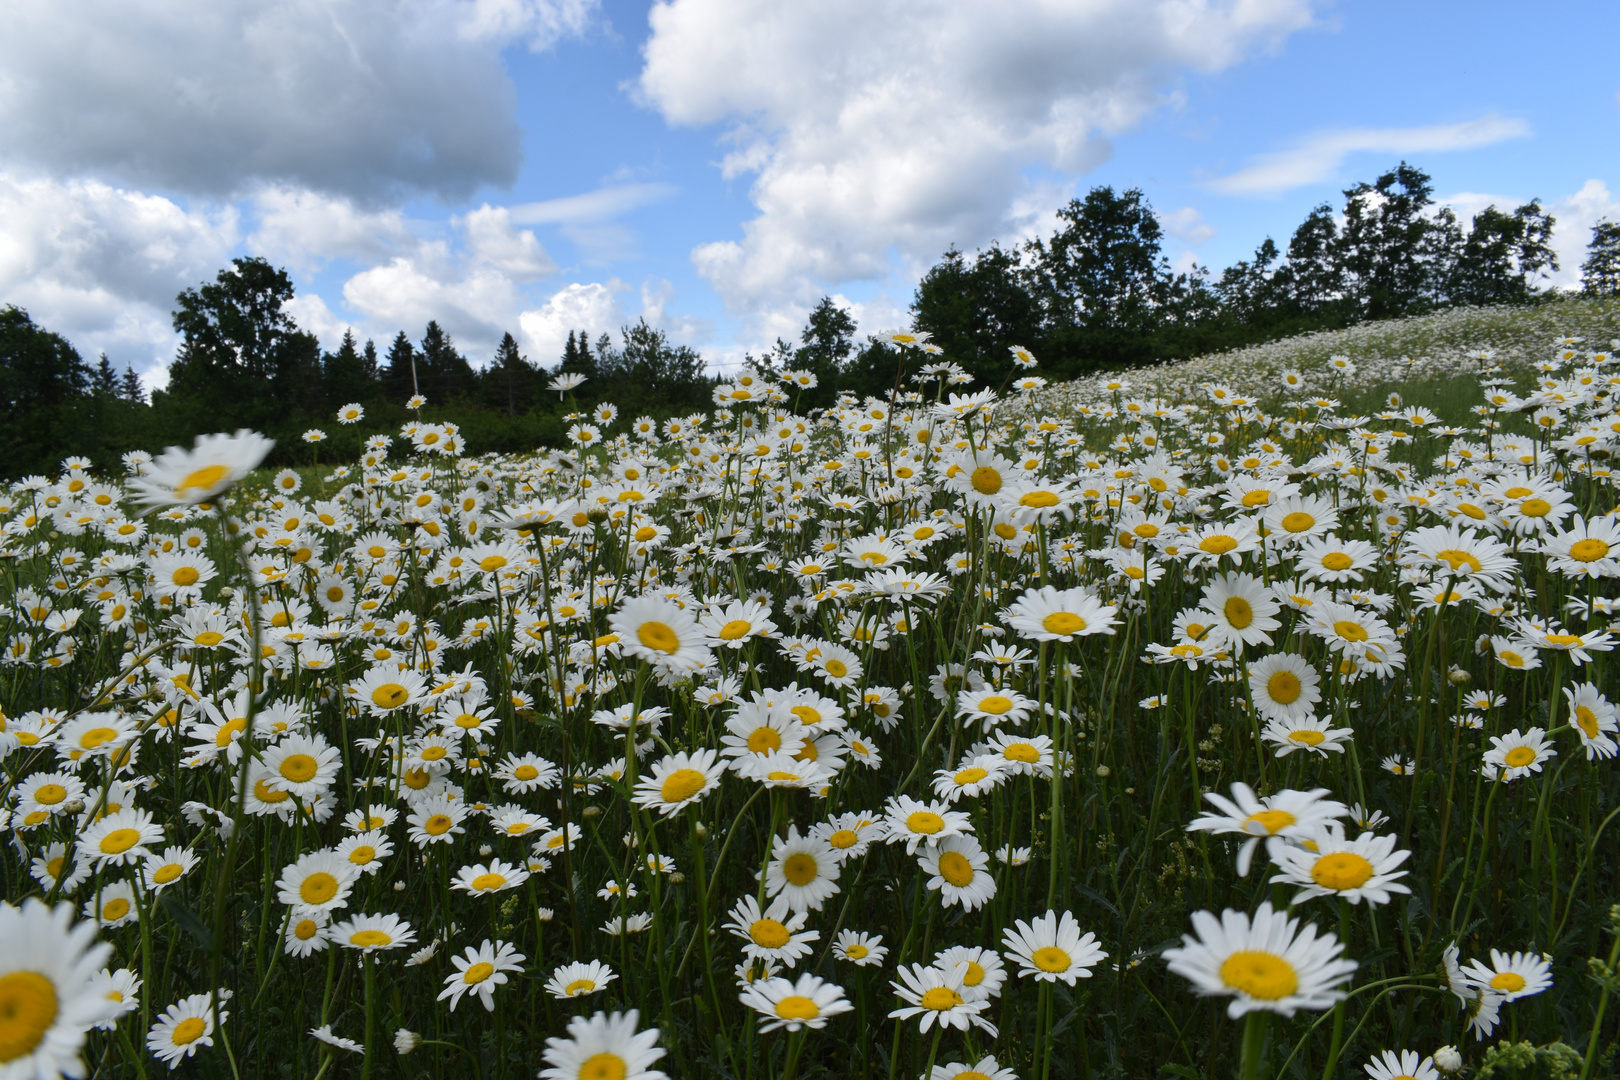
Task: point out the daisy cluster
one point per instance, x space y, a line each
908 734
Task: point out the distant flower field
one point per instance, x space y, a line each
1075 732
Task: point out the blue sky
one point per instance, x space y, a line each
717 165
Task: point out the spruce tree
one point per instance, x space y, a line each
1600 273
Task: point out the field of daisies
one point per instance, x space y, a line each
954 736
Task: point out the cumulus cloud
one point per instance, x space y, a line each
102 265
1187 225
883 131
362 98
1318 157
594 308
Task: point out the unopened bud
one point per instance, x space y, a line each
1448 1060
701 831
1458 677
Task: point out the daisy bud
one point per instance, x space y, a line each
591 812
544 914
701 831
399 886
1458 677
1448 1060
485 851
1103 771
406 1041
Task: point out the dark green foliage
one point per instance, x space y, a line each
1600 273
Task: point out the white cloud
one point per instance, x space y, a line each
593 308
1573 218
102 266
1318 157
878 133
592 206
493 242
365 98
1187 225
304 229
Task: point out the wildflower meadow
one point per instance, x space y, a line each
1252 729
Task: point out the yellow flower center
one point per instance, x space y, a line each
1238 612
525 772
1336 561
1283 687
1589 550
208 638
1458 559
318 888
362 855
167 873
1024 752
390 696
299 768
996 705
940 999
119 841
837 669
1587 720
203 479
1535 508
735 629
185 575
1217 545
658 637
492 562
1509 981
115 909
368 939
1519 757
1297 522
437 825
1272 821
1259 974
764 740
1341 871
970 776
603 1066
1350 631
49 794
477 973
682 784
800 869
955 869
28 1008
1039 499
488 882
768 934
796 1007
306 929
985 480
844 839
1063 623
188 1031
925 821
1051 958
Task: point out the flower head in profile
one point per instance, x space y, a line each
808 1003
182 477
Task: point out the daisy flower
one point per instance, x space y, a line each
179 477
1050 614
860 949
1512 976
807 1003
385 689
1284 686
49 987
436 820
661 632
1287 814
324 1034
1330 865
183 1029
370 933
480 971
1519 754
958 867
481 880
1241 609
678 781
974 777
120 989
1586 549
1269 963
579 978
991 707
122 838
604 1046
302 765
317 881
1593 718
912 823
935 996
1052 948
771 934
985 971
803 870
985 1068
1305 733
1404 1065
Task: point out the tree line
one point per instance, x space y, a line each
1098 293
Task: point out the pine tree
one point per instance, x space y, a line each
400 378
1600 273
447 372
131 390
106 383
368 362
513 374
